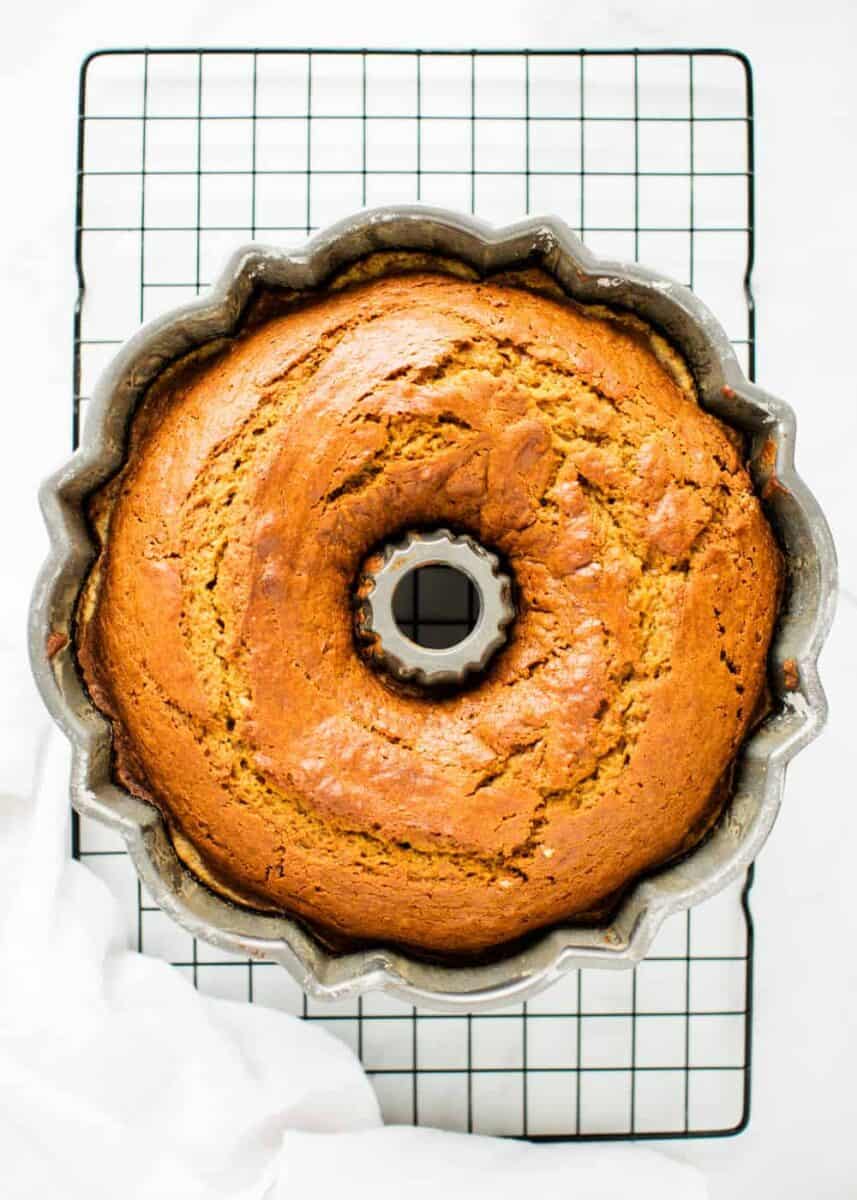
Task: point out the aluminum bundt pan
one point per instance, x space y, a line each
798 703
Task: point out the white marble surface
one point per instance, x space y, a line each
800 1141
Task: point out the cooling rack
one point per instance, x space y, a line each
185 154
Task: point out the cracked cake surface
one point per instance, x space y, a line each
216 628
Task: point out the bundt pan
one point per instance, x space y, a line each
797 709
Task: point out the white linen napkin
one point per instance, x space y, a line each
119 1079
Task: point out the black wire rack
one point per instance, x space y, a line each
648 154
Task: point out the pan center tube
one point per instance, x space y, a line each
434 608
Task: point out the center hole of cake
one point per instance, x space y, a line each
436 606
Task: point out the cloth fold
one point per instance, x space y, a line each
118 1078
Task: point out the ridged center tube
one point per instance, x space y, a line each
401 655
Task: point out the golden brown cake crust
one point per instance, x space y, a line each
217 628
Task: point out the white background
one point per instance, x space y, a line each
801 1139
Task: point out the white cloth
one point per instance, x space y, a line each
117 1078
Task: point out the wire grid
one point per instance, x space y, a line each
184 154
436 606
